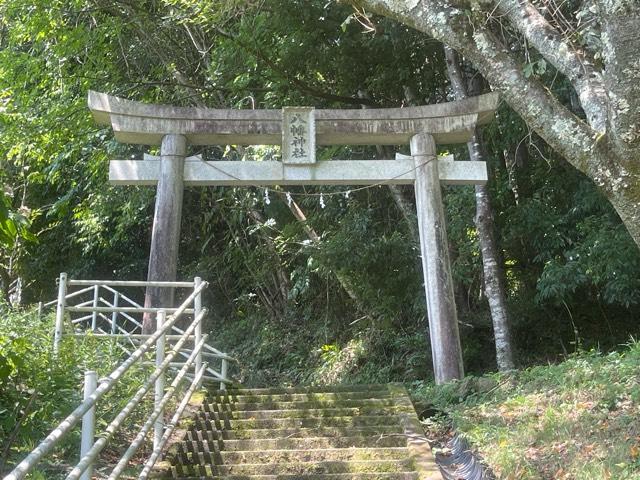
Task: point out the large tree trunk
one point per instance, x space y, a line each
491 264
608 151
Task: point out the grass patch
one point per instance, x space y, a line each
578 419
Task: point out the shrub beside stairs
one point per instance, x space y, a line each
359 432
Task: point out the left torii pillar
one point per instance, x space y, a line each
165 233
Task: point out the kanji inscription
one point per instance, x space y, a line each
298 135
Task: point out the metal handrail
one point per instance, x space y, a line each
169 430
129 283
111 429
138 441
84 409
121 295
101 306
124 311
70 295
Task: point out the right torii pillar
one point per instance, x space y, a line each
434 247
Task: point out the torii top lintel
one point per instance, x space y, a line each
146 124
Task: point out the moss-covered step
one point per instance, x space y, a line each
366 432
374 441
296 468
299 397
340 403
313 412
318 476
307 422
304 455
213 434
318 389
200 445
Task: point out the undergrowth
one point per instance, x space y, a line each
323 353
574 420
38 389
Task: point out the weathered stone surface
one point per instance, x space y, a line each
317 412
165 235
313 404
298 135
213 447
315 442
146 124
438 284
304 396
334 172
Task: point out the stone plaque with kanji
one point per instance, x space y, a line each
298 135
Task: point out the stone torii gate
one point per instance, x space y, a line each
299 130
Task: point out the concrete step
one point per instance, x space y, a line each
213 422
291 456
212 434
311 412
318 389
295 468
375 441
361 432
300 397
318 476
344 403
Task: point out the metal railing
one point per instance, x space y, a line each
165 362
97 308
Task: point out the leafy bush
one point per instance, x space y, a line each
38 389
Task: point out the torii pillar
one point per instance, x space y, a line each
173 128
167 217
436 267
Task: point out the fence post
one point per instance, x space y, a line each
114 315
40 307
197 308
88 422
224 370
159 391
94 315
62 293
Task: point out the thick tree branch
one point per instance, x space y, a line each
621 46
343 280
569 61
557 125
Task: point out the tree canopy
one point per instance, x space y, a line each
572 269
590 45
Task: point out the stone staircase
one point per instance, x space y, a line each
359 432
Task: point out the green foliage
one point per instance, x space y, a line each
13 226
40 389
346 308
29 370
575 419
571 269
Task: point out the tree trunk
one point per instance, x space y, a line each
493 274
605 146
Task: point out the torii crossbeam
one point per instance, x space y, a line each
298 130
